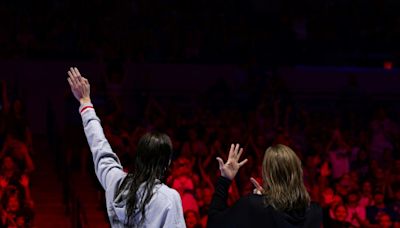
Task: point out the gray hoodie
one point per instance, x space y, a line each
165 207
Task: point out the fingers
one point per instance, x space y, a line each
258 189
240 153
256 184
72 78
75 72
238 157
220 162
243 162
78 82
231 152
70 82
72 70
75 78
85 81
237 148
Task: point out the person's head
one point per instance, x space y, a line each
327 195
367 187
340 212
353 198
8 164
153 155
182 166
283 179
20 219
384 220
13 204
192 218
379 198
337 199
152 158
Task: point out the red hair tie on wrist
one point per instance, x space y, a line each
86 107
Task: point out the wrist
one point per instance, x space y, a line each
85 100
227 176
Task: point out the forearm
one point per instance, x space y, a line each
220 215
220 197
107 165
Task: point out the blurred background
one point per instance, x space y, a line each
319 76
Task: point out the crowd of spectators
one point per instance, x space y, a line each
350 156
16 165
201 31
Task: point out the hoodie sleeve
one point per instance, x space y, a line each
106 163
219 214
174 214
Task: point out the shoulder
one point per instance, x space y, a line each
168 195
253 202
253 199
315 209
315 205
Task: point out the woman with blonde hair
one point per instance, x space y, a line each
283 200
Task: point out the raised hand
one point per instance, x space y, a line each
232 166
80 86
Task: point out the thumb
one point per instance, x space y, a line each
220 162
256 184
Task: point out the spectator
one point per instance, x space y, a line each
356 214
339 155
385 221
192 219
338 220
15 211
367 198
373 212
18 150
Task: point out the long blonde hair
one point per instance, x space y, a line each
283 179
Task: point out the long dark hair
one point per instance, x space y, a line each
153 156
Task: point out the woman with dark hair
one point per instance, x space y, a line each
283 200
138 199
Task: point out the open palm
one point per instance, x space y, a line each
232 165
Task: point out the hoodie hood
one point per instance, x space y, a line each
298 218
119 205
295 217
120 201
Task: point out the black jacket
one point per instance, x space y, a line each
250 211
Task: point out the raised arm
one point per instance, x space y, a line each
106 163
219 214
